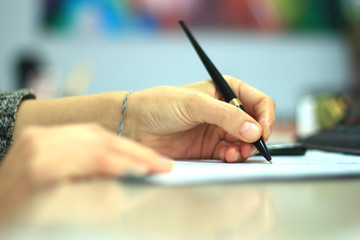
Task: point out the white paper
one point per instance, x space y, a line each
315 164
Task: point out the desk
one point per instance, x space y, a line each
109 209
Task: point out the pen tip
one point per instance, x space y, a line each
270 161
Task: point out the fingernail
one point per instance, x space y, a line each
133 177
249 130
139 171
136 173
166 162
237 156
270 131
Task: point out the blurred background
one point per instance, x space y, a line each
286 48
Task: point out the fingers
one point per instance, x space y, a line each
81 151
113 166
139 154
125 157
203 108
265 110
256 103
231 152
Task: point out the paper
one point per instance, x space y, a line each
315 164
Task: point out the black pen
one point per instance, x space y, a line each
223 87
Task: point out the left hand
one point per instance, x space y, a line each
43 155
193 121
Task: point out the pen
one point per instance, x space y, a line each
223 87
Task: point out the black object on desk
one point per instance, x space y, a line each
343 138
222 85
286 149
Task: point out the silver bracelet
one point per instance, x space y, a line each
123 112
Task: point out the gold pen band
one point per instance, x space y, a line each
235 102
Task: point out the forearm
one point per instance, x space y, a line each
104 109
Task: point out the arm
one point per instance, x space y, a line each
190 121
103 109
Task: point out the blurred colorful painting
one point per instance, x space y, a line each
119 16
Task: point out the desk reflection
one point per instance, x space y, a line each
258 210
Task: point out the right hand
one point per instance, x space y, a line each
194 121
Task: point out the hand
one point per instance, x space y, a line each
179 122
42 155
193 121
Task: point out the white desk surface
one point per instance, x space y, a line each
111 209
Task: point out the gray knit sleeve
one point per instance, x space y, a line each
9 102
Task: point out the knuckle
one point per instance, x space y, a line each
194 97
27 134
271 101
231 80
228 77
29 140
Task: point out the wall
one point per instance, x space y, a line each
285 66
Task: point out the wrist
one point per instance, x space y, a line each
123 111
131 118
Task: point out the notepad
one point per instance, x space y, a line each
314 164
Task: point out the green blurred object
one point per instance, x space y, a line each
310 14
351 12
331 109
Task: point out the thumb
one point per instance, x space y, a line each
226 116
